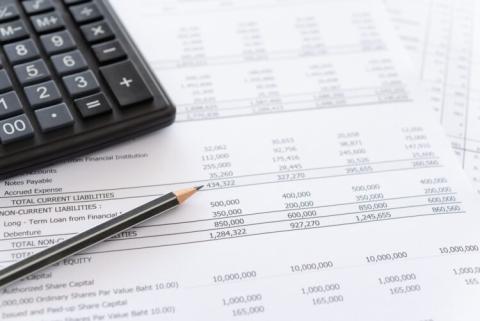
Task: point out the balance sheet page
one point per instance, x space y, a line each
443 37
330 192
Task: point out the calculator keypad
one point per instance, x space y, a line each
126 83
43 94
32 72
37 6
57 42
5 82
97 32
109 52
21 51
87 12
12 31
15 129
66 69
10 105
47 22
93 105
8 12
69 62
81 84
54 117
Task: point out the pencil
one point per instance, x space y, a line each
93 236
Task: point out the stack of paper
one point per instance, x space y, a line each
331 191
443 37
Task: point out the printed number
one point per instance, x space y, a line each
57 41
43 91
68 61
21 50
18 125
81 82
32 71
3 103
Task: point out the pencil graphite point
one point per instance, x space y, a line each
184 194
199 187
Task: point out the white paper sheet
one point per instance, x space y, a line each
329 193
443 37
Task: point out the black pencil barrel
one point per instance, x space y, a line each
86 239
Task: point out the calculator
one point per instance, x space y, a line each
71 81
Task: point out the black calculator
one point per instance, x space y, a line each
71 81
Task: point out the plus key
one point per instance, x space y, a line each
126 83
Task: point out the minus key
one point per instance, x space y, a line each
109 52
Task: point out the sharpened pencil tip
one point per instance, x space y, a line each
199 187
184 194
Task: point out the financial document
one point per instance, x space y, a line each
330 191
443 37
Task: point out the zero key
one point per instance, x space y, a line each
126 83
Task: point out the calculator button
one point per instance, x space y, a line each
86 13
58 42
21 51
97 32
93 105
10 105
80 84
69 62
8 12
126 83
37 6
109 51
54 117
15 129
47 22
32 72
13 31
5 82
46 93
70 2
